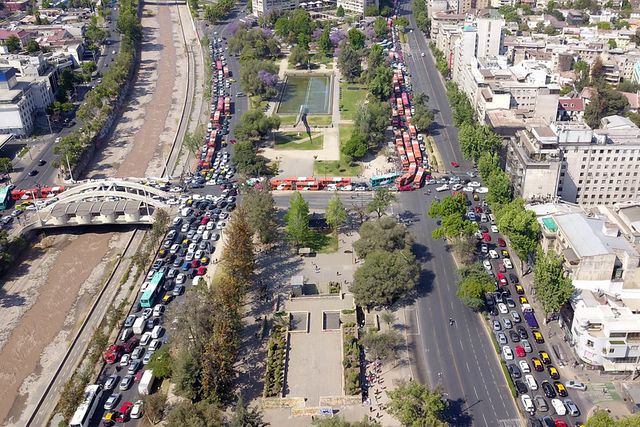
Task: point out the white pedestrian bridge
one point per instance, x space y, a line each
101 202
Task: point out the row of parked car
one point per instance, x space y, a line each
515 327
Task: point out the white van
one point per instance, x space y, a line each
443 187
157 332
492 219
531 382
559 407
206 235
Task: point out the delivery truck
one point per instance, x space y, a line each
138 325
146 382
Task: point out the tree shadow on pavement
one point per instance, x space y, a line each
8 300
456 413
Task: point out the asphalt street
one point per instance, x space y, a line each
426 79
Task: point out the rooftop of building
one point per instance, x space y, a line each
594 308
591 236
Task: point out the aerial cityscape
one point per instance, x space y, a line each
331 213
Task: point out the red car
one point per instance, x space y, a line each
195 263
233 141
201 271
123 414
560 423
486 237
478 210
520 351
501 242
406 188
502 279
204 220
455 164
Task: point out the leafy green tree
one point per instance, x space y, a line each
454 226
94 33
553 287
372 120
154 406
499 185
601 418
349 63
382 200
161 363
371 10
475 140
382 345
384 278
340 11
581 68
186 374
87 69
5 165
604 103
487 164
261 212
201 414
374 60
32 46
449 205
254 125
473 285
380 85
463 111
258 77
297 220
324 43
299 56
382 234
238 257
291 25
521 226
356 146
402 22
12 44
415 404
244 416
336 214
248 161
612 43
380 28
356 38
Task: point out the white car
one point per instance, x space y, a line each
474 184
527 403
158 310
443 187
221 225
494 229
145 338
524 366
502 307
487 265
456 187
174 248
493 254
468 189
145 286
507 263
181 278
155 344
484 248
210 225
531 382
507 352
576 385
126 358
559 407
137 410
482 190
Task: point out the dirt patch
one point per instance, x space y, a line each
43 321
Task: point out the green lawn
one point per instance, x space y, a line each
338 167
257 102
351 94
325 243
298 141
319 120
287 120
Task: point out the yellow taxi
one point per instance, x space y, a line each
560 389
167 298
523 300
537 336
537 364
108 419
545 357
186 242
519 290
553 372
204 260
189 202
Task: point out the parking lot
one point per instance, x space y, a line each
542 393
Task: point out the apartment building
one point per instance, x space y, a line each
436 6
603 321
17 104
597 167
357 6
264 7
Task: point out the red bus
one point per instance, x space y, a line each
405 99
418 180
220 105
216 117
225 71
219 65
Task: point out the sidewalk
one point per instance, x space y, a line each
604 390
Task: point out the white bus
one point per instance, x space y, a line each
83 414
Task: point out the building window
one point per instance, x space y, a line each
589 343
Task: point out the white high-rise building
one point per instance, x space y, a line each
489 41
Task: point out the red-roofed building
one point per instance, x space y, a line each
570 109
22 35
633 101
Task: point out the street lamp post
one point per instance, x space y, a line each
69 168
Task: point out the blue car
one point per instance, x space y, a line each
186 266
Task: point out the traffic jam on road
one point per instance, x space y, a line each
542 393
182 260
